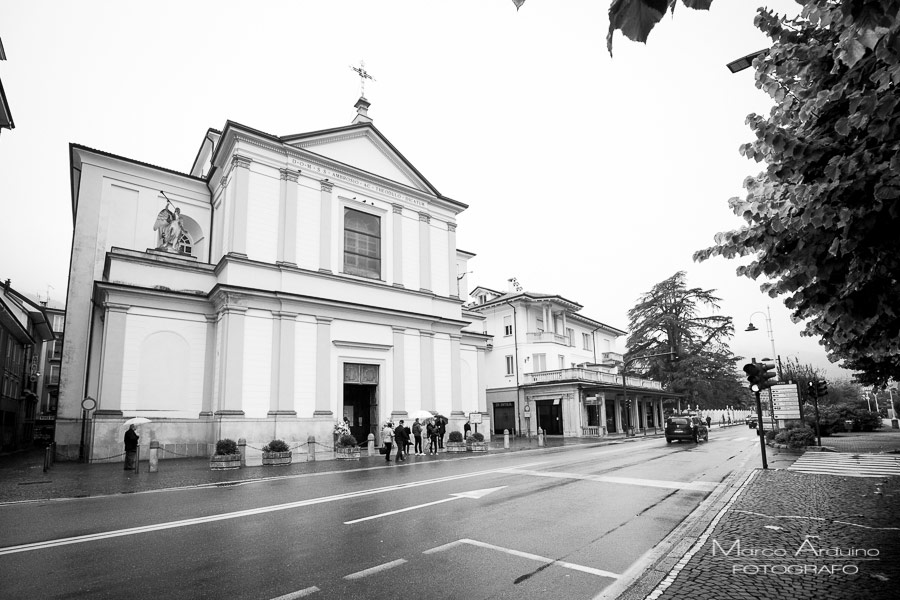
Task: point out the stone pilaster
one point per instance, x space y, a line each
281 401
451 257
109 400
240 204
398 244
455 374
426 369
399 385
287 226
209 384
424 252
323 367
325 227
232 369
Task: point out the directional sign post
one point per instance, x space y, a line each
786 402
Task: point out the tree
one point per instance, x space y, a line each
822 218
667 319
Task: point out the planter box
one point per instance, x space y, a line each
477 447
276 459
455 446
224 462
347 453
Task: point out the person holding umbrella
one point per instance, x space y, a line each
131 446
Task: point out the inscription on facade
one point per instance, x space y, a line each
353 180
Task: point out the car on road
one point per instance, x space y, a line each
686 427
751 421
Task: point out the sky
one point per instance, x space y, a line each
588 176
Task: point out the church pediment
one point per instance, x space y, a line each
365 148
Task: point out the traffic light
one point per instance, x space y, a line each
752 371
766 373
821 388
811 390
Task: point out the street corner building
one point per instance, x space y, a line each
281 285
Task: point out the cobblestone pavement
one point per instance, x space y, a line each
785 534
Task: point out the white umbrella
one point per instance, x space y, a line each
136 421
422 415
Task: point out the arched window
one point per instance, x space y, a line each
185 244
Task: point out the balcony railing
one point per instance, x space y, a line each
548 336
590 375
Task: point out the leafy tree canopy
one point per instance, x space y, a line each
668 319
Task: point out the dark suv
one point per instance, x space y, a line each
686 427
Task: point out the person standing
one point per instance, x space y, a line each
417 434
467 428
441 430
431 430
401 439
708 421
131 446
408 440
387 438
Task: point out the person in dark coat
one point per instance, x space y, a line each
441 430
431 432
131 446
417 434
467 428
401 438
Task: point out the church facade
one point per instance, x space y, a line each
284 283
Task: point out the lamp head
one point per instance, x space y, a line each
751 327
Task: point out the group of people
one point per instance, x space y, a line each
399 436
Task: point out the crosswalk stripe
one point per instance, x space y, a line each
847 465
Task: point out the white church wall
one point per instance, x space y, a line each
163 364
262 215
412 367
443 399
257 375
440 259
305 366
410 232
308 223
468 367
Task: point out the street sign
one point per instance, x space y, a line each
786 401
475 418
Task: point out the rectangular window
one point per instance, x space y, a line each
507 325
362 244
562 362
54 375
510 366
54 350
59 323
540 362
586 338
570 334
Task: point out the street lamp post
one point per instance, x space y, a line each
751 327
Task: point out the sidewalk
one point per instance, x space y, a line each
22 478
781 534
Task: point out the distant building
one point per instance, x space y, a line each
23 330
550 367
50 369
280 285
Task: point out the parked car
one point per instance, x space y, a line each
686 427
751 421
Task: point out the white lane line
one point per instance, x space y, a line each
238 514
394 512
298 594
699 486
528 555
374 570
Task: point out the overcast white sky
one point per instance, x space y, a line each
587 176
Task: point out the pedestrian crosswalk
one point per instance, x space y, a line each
847 464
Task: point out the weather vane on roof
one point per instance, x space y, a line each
363 75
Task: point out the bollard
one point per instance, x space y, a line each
242 450
370 443
47 455
540 437
506 439
137 460
154 456
311 448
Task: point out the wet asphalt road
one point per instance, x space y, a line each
558 524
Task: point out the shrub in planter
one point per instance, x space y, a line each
455 436
346 447
478 436
455 442
227 456
346 440
770 435
226 447
276 446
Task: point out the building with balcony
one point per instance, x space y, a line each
280 284
50 366
550 367
24 328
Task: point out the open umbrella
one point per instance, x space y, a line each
136 421
422 415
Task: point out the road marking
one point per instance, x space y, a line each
528 555
847 464
238 514
698 486
298 594
374 570
474 494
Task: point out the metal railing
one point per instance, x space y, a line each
580 374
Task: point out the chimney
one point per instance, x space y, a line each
362 110
513 285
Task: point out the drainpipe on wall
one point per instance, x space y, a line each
516 350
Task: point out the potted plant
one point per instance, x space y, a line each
476 443
227 456
455 442
276 454
346 447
